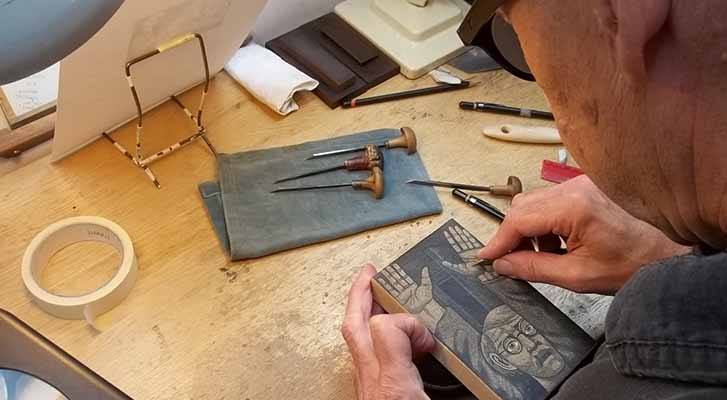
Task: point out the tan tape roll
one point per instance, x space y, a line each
62 234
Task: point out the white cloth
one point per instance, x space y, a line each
268 77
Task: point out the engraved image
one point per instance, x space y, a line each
466 247
512 342
502 329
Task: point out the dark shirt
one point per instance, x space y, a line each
666 336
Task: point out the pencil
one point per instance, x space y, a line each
405 95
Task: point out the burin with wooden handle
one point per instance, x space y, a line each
374 183
370 158
513 187
407 140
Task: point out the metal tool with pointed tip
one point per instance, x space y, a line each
512 188
407 140
375 183
370 158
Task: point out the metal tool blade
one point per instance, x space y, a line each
298 189
320 171
450 185
335 152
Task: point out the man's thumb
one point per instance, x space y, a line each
396 336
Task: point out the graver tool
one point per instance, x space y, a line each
513 187
375 183
370 158
407 140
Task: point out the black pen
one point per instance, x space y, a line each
503 109
479 204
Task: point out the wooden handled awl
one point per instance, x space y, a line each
375 183
407 140
523 134
370 158
513 187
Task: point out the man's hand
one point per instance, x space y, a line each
605 244
382 345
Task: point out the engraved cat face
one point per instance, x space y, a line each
510 342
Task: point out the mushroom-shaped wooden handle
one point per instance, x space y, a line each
407 140
513 187
375 183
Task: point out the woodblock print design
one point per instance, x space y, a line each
508 334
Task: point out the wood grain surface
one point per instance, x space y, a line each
197 326
4 124
19 140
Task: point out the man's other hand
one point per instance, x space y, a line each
605 244
382 345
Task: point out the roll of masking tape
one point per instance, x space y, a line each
67 232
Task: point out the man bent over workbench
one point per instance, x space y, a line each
639 90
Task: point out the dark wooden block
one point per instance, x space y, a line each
500 337
353 43
316 59
15 142
328 49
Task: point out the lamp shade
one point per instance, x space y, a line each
35 34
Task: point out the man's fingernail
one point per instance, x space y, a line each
503 267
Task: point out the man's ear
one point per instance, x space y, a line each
636 23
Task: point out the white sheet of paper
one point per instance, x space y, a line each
33 92
94 94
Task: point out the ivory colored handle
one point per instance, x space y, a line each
523 134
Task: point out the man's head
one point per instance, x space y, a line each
639 89
510 342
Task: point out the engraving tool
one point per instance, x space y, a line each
407 140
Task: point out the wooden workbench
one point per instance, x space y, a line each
197 326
